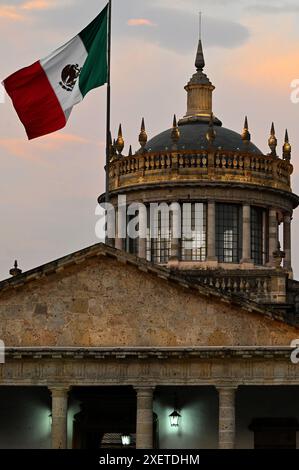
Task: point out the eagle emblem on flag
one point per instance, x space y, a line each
69 76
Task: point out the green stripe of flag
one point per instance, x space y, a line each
95 40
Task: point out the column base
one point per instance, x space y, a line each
247 263
212 262
173 262
119 244
142 248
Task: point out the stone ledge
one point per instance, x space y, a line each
141 353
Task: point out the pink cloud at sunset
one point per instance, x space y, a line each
140 22
9 12
18 12
267 61
32 151
38 5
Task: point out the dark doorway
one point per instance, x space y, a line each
274 433
106 414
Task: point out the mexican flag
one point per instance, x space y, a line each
44 93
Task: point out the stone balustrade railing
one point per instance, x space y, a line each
252 287
150 168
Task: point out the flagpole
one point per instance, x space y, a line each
107 196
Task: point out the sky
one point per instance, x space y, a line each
49 186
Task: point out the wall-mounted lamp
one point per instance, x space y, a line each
174 419
175 415
125 439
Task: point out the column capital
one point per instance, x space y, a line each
227 388
59 390
145 390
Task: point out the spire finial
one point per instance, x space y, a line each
130 151
200 60
286 149
143 135
120 143
246 134
175 133
15 271
272 142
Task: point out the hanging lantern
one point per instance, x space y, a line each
174 419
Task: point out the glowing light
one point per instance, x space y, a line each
174 419
126 439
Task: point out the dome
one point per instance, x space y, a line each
193 137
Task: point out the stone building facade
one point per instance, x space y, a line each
103 345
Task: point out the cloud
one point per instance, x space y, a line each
38 5
217 31
267 61
31 151
10 12
20 11
140 22
17 148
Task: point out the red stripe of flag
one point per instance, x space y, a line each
35 101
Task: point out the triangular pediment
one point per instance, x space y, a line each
101 297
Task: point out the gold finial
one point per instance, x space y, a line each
143 135
130 151
286 149
272 142
120 143
211 134
246 134
15 271
113 152
175 133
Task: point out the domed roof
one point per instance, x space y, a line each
193 137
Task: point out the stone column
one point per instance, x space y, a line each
59 417
273 235
176 234
287 263
211 232
144 425
227 420
246 247
142 231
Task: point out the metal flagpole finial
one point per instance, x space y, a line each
200 25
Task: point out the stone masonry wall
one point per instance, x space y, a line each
104 303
